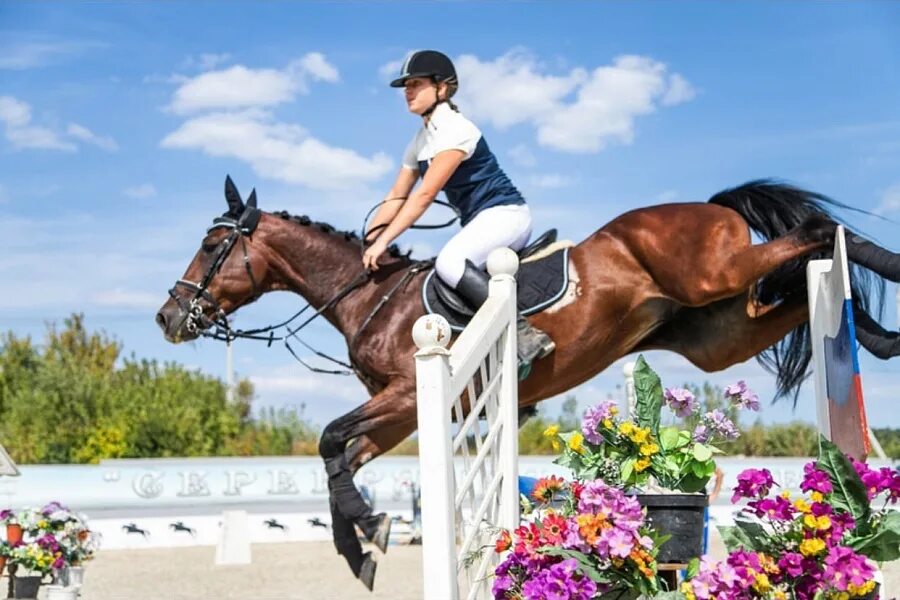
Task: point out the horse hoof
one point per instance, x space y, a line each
382 533
367 571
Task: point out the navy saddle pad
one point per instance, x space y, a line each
540 283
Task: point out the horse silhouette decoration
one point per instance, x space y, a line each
678 277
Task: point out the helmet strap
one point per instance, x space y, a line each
437 100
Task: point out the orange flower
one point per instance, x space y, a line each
547 487
503 543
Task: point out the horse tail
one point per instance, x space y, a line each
772 209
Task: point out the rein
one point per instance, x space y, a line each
217 326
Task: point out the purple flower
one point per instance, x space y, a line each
593 418
720 425
753 483
776 509
741 396
815 480
681 401
560 582
843 566
701 434
791 563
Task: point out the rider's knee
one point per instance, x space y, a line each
450 266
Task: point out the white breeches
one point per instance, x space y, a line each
507 225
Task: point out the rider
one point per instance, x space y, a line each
449 153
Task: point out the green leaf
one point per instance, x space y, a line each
702 453
735 538
627 468
753 531
693 568
884 544
668 438
649 396
849 492
692 484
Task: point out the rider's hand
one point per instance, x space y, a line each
372 254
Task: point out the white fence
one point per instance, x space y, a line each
475 386
841 413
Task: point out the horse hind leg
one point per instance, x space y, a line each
720 271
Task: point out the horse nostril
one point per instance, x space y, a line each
161 320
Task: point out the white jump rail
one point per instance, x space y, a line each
468 456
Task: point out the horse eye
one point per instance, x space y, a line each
209 246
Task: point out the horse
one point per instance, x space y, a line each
680 277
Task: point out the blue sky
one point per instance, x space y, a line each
120 121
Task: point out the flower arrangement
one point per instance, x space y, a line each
41 555
822 545
596 542
629 453
54 537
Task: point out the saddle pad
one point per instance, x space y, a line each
539 284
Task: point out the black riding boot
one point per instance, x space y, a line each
532 342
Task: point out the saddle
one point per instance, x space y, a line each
542 279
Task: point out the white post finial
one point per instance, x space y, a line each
431 331
502 261
630 396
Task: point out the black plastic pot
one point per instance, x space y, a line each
26 587
682 517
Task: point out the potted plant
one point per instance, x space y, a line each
824 544
14 531
668 467
38 558
584 541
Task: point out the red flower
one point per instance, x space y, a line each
553 527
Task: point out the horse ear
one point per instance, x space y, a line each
233 197
251 201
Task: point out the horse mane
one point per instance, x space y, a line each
349 236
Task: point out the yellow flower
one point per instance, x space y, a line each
551 432
649 449
607 423
811 522
786 495
823 522
642 464
626 428
640 436
817 496
811 547
576 442
761 583
801 505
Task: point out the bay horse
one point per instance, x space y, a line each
679 277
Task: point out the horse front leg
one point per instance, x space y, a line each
395 404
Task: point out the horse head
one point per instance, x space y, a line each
231 269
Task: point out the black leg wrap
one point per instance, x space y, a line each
345 540
873 257
343 491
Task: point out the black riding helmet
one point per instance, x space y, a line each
426 63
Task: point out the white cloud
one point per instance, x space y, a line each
239 87
16 115
389 71
890 201
522 156
84 134
138 192
277 150
580 111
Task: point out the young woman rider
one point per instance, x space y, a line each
449 154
